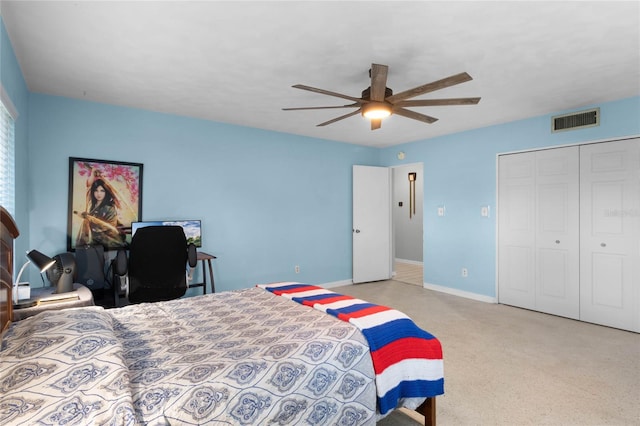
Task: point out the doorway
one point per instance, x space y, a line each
407 218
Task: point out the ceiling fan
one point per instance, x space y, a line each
378 101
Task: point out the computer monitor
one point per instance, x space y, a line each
192 228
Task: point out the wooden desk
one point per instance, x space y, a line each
205 257
80 296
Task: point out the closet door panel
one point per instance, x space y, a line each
608 281
552 274
538 231
557 232
610 234
516 235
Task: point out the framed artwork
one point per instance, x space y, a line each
104 198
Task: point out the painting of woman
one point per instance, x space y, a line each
103 203
100 222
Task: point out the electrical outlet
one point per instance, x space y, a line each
465 272
297 268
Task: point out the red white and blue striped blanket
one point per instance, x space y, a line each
406 359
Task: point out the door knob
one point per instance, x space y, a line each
357 231
557 241
603 245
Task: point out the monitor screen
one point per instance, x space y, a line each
192 228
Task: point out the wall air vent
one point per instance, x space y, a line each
575 120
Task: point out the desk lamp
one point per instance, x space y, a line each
43 263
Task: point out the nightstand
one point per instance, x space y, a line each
47 300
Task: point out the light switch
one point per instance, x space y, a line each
440 210
484 211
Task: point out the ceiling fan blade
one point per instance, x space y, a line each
342 117
327 92
378 82
376 123
322 107
430 87
415 115
438 102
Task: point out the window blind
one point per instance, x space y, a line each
7 157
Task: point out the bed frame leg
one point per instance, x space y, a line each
428 410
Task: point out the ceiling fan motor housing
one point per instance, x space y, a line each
366 93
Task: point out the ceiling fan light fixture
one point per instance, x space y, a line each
376 110
378 101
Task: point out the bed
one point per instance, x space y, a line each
282 353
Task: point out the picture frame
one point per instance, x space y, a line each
105 197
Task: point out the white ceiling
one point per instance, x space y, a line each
235 62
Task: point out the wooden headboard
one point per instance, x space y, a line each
8 233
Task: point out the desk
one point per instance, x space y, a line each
80 296
205 257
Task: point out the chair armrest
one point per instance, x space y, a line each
192 255
120 263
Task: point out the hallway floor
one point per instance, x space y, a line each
408 273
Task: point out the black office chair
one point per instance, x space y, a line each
157 264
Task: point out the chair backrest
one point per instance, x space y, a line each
157 264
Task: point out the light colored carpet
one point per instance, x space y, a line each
510 366
404 417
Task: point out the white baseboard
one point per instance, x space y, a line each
410 262
461 293
434 287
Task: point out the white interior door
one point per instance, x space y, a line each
371 224
610 234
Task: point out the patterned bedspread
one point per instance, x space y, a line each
232 358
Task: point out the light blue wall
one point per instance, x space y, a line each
268 201
460 173
16 88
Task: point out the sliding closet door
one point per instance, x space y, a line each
557 232
538 227
610 233
516 230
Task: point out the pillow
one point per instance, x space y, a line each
64 367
